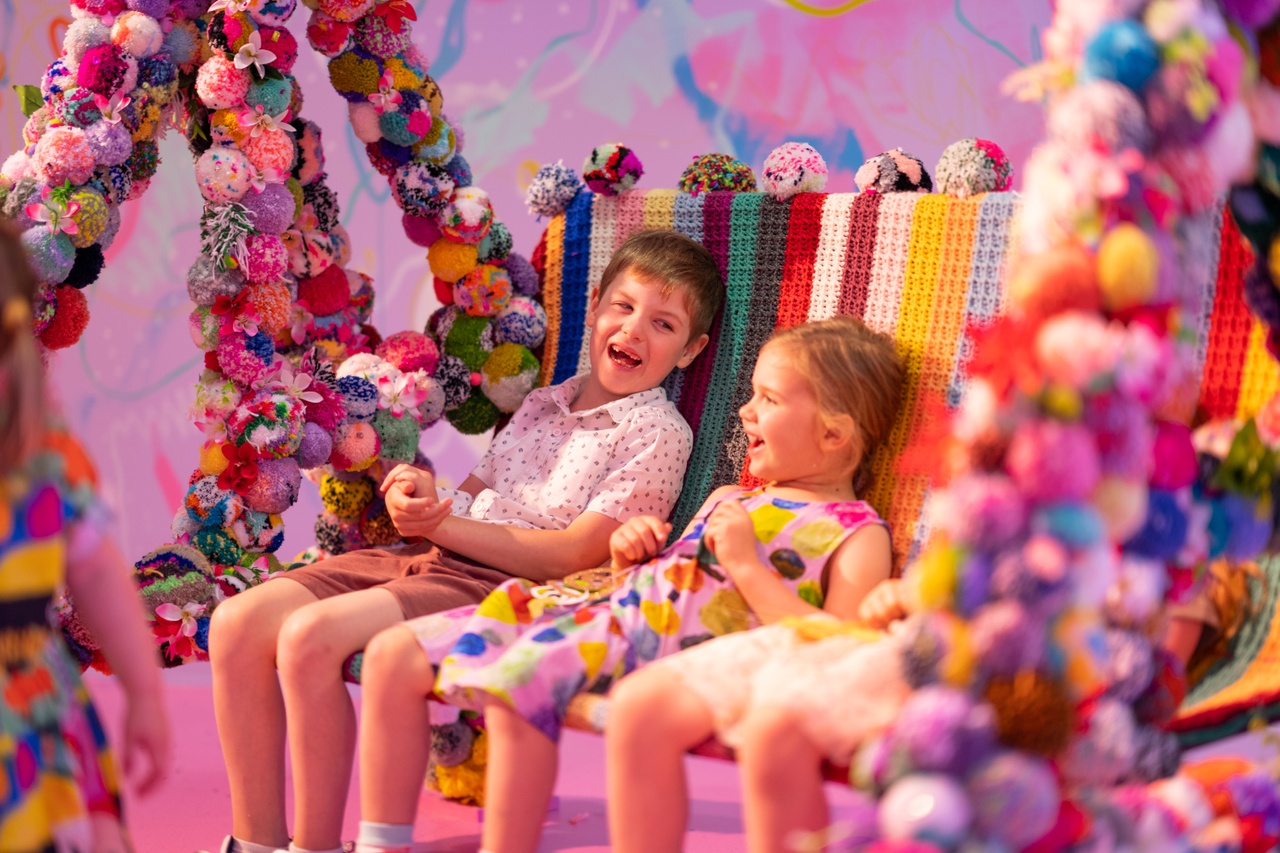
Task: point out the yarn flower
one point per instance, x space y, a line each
55 209
242 469
387 97
240 311
258 121
230 7
294 384
300 320
112 108
178 627
255 55
400 394
395 13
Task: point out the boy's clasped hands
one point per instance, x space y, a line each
413 503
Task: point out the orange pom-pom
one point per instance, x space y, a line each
451 261
1061 279
69 320
272 301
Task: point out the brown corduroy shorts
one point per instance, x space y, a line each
424 578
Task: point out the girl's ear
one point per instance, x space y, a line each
838 432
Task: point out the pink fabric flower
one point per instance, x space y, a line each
55 210
400 394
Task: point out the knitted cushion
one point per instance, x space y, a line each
920 267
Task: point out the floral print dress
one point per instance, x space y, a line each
533 655
57 770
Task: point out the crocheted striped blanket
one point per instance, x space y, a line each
923 268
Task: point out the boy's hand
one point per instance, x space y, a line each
415 516
637 539
731 536
888 601
146 746
418 482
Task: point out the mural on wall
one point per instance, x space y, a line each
531 82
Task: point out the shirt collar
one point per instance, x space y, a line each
564 394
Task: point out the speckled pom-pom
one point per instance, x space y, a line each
460 170
51 253
484 291
455 379
717 172
346 499
91 218
611 168
272 13
223 174
376 36
205 282
496 245
265 258
552 188
409 351
82 34
360 395
397 436
282 43
105 69
272 149
421 189
791 168
894 171
468 215
522 322
63 154
329 36
972 166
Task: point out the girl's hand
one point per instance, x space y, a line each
636 540
731 536
146 747
415 516
888 601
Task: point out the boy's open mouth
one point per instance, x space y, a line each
623 358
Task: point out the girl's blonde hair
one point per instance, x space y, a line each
21 372
853 371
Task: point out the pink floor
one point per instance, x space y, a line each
193 810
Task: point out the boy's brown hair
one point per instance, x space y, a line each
671 260
853 371
21 373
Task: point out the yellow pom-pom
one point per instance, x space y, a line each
1273 260
225 122
937 575
401 75
1062 402
430 91
148 121
957 665
450 261
465 782
1128 263
91 217
346 498
212 461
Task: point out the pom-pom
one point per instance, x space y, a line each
354 75
282 43
150 8
275 489
329 36
410 351
50 253
1051 460
1033 713
1121 51
90 219
272 13
1104 753
1034 575
451 261
82 34
791 168
315 447
87 267
271 210
375 35
223 174
422 190
360 396
982 511
1128 263
310 164
77 108
1015 799
496 245
398 436
238 361
509 375
941 729
1122 429
718 173
611 168
1007 638
552 188
459 170
925 806
327 293
454 377
205 282
421 230
181 44
106 69
63 154
265 258
110 144
208 505
357 446
142 165
1129 665
220 85
1100 112
205 328
329 412
468 215
894 171
272 149
476 415
484 291
69 321
522 322
438 144
218 545
324 203
524 278
137 34
346 10
346 499
1164 531
271 93
972 166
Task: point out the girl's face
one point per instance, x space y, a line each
783 424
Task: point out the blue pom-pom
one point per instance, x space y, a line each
1075 525
360 396
1249 532
395 128
157 70
202 633
87 268
1122 51
460 170
261 345
272 94
1165 530
180 44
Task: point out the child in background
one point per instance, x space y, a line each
824 396
577 460
62 792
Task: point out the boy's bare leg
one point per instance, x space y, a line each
781 780
395 740
248 705
314 642
520 778
653 721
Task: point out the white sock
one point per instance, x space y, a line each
293 848
235 845
384 837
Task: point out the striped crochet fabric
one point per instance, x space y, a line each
922 268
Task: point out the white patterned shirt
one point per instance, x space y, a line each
623 459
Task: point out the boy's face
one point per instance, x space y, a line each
638 336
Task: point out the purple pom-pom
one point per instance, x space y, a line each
154 8
942 729
271 210
110 143
315 447
524 278
1007 638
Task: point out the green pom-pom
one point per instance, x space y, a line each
395 127
351 73
471 340
399 435
496 245
475 415
294 186
273 95
218 545
346 498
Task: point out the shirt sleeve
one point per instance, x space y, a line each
523 422
646 469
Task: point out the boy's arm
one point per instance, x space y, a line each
539 555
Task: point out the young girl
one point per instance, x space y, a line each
61 792
824 396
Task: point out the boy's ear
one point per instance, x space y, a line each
692 349
593 305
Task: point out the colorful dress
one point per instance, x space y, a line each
57 770
535 656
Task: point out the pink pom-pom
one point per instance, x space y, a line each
346 10
364 121
329 36
272 149
282 43
220 85
357 447
275 489
265 258
105 70
63 154
223 174
16 167
791 168
238 362
421 230
410 351
137 34
1173 457
327 414
327 293
1053 461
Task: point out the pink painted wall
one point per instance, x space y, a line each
530 81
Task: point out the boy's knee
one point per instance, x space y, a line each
306 642
396 654
236 627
